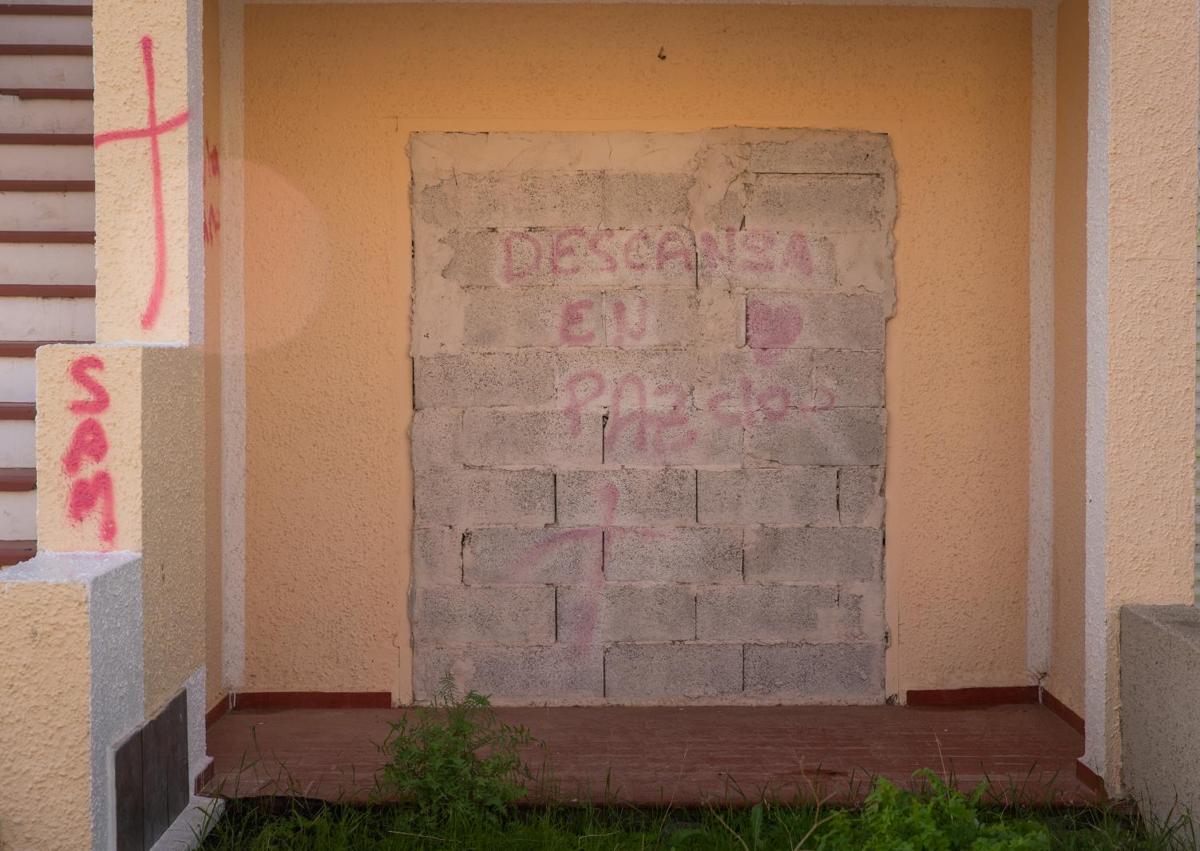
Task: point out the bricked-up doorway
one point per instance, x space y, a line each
649 436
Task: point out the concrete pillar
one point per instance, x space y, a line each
149 171
121 474
1140 311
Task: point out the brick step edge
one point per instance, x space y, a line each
17 411
15 552
45 138
73 10
28 348
48 237
47 94
34 185
45 49
47 291
17 479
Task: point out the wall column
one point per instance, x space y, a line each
118 588
1141 227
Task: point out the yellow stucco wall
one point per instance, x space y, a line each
1070 353
333 91
130 40
45 717
1149 533
148 403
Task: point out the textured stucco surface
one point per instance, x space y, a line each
1160 720
153 427
1065 680
125 217
1141 334
107 383
327 270
70 691
118 696
173 540
45 720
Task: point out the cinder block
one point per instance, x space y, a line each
816 673
698 555
578 257
520 318
532 199
437 555
849 379
436 438
865 262
557 673
685 437
802 554
814 321
823 203
788 495
823 152
860 498
640 319
737 259
492 615
836 436
627 498
541 555
632 199
626 613
752 385
502 437
769 613
484 380
858 615
672 671
484 498
625 380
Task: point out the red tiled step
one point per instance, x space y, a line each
25 185
45 138
46 291
17 411
16 479
65 10
15 552
74 237
45 49
28 348
48 94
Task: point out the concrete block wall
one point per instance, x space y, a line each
650 425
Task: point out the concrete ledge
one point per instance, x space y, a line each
1160 715
70 687
192 825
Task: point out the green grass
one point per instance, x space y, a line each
900 821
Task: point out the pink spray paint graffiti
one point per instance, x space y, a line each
608 497
212 180
597 254
153 130
771 329
89 446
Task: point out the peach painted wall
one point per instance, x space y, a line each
1070 365
332 93
212 350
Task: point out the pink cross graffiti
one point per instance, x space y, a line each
152 131
609 497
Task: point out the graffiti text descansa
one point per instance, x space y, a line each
606 253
